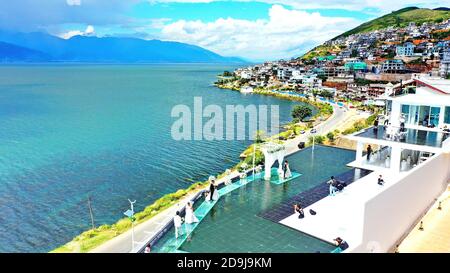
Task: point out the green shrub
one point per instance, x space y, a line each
330 136
317 139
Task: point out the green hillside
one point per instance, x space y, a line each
401 18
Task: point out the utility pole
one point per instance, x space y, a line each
90 212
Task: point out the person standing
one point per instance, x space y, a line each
286 170
402 121
190 215
332 182
212 189
178 222
369 152
375 123
215 192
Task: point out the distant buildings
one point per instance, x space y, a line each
359 65
393 67
406 50
444 68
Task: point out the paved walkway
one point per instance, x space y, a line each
146 230
435 236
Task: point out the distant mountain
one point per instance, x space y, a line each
401 18
111 49
13 53
443 8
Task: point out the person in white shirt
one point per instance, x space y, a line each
177 222
190 215
147 249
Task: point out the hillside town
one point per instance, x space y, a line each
357 67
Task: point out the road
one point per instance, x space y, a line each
338 116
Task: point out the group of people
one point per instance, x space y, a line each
211 194
189 218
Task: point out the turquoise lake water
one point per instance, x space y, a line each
72 131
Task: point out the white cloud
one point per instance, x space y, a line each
73 2
286 33
382 5
88 31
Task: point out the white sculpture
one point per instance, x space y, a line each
273 152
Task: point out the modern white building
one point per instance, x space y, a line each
414 164
415 160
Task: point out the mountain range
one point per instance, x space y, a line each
401 18
42 47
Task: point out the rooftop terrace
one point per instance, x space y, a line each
413 136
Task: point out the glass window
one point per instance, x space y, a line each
434 116
447 115
405 112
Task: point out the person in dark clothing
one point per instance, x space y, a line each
298 209
369 152
380 180
375 123
339 242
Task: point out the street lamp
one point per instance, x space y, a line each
313 132
130 214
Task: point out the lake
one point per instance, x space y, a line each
72 131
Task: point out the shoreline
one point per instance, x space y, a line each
98 239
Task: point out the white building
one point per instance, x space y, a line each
414 164
414 161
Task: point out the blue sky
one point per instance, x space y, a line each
256 30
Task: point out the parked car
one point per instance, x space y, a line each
313 131
302 132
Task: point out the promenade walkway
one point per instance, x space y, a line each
146 230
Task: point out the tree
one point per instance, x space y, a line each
259 136
227 74
301 112
330 136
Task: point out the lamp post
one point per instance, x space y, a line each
253 163
130 214
313 132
